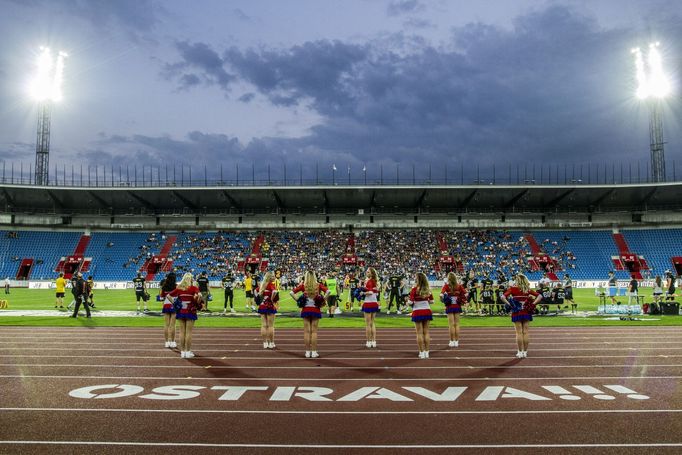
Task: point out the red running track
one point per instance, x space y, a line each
108 390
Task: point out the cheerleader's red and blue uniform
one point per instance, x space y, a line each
267 306
421 306
168 306
371 304
189 306
523 298
310 310
458 296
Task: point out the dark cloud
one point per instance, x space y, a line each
556 87
241 15
398 7
136 16
247 97
202 58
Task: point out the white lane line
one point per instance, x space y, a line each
339 446
244 411
330 356
275 379
345 367
258 348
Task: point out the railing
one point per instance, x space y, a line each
164 176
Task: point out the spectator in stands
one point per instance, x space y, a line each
268 296
523 301
60 289
81 296
186 313
371 306
310 300
168 285
421 300
453 295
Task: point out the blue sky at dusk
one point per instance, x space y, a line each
353 83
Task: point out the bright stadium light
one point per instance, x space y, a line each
653 87
46 89
46 85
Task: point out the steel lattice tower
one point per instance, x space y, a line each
656 140
43 144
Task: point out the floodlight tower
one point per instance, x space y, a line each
46 89
653 88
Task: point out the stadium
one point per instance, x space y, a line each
459 284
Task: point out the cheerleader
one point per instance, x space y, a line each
267 309
371 306
168 309
521 316
454 295
421 300
186 314
311 300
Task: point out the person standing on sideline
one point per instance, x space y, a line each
7 285
81 296
74 289
228 286
168 309
269 296
568 293
453 295
333 297
632 293
140 291
353 284
60 288
420 301
669 285
248 290
186 312
524 300
393 287
613 287
371 306
310 301
91 292
203 283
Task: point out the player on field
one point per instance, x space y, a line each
353 284
60 288
472 289
140 291
205 290
393 287
454 296
522 300
333 297
487 295
421 300
228 285
568 292
310 300
248 290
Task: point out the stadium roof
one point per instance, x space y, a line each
340 199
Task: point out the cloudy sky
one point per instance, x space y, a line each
448 84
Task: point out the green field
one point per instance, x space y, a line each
124 300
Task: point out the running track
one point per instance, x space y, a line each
621 390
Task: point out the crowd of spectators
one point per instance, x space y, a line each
400 251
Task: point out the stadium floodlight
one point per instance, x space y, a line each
653 86
46 88
46 84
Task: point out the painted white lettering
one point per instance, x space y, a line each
450 394
174 392
490 393
233 392
374 392
314 393
510 392
89 392
283 394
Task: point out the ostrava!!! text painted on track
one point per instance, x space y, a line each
604 392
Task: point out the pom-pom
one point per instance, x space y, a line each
301 301
319 301
446 299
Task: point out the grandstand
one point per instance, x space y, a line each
112 233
